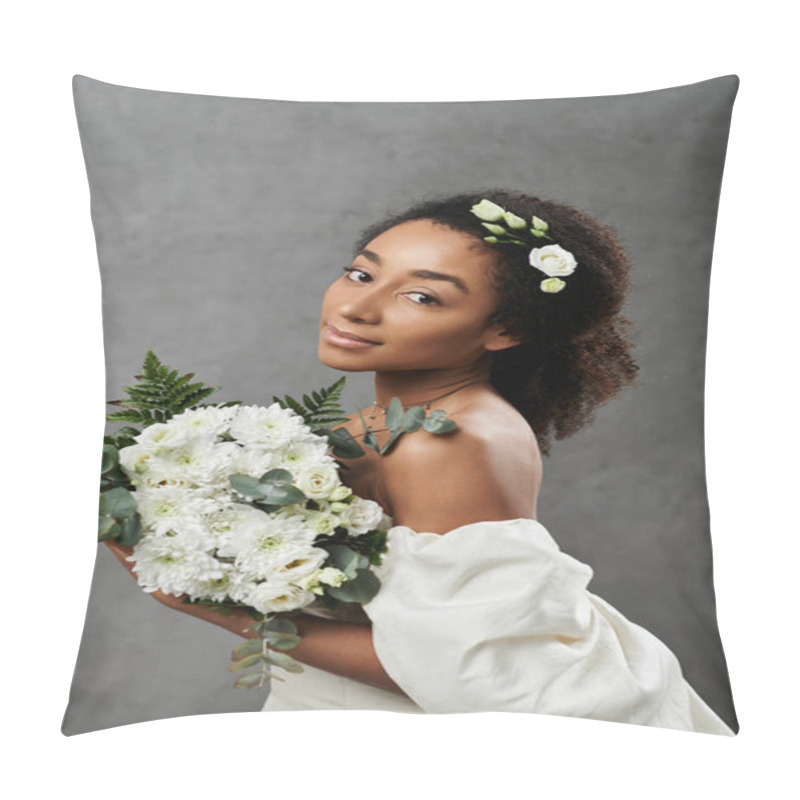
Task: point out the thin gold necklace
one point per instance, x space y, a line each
426 405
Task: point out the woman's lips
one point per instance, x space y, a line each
332 336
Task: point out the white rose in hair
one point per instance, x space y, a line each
553 260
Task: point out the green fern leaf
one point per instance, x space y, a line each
160 394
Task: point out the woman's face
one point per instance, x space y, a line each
416 321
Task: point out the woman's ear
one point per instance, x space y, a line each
498 338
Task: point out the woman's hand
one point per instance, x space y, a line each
236 620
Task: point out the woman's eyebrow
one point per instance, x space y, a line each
419 273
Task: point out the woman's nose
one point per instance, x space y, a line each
366 306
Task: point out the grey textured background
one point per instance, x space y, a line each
221 221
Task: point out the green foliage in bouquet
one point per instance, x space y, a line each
276 633
321 410
162 393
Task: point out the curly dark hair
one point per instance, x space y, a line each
573 355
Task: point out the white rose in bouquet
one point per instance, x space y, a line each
363 516
318 480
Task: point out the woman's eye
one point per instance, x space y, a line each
431 300
353 269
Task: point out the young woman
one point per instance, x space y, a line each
502 309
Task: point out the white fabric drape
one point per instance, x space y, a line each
492 616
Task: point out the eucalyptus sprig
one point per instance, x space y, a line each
279 633
400 420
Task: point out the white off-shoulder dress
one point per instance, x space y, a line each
492 616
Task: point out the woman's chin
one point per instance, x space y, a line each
343 360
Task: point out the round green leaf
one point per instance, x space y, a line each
247 485
250 680
285 661
439 425
110 458
412 419
247 661
344 558
279 477
359 590
281 625
395 413
106 531
248 647
118 503
281 495
131 531
282 641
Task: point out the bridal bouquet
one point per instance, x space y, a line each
243 506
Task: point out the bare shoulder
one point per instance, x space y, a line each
488 468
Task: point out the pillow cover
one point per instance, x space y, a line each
220 222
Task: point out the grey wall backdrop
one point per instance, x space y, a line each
220 222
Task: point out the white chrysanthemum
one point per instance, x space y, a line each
260 545
300 455
254 461
362 516
172 564
169 507
273 427
197 463
231 585
209 423
318 480
235 526
223 520
269 597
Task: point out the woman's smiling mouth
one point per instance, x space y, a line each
334 336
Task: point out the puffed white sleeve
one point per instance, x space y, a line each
492 616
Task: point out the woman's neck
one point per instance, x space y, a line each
419 386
